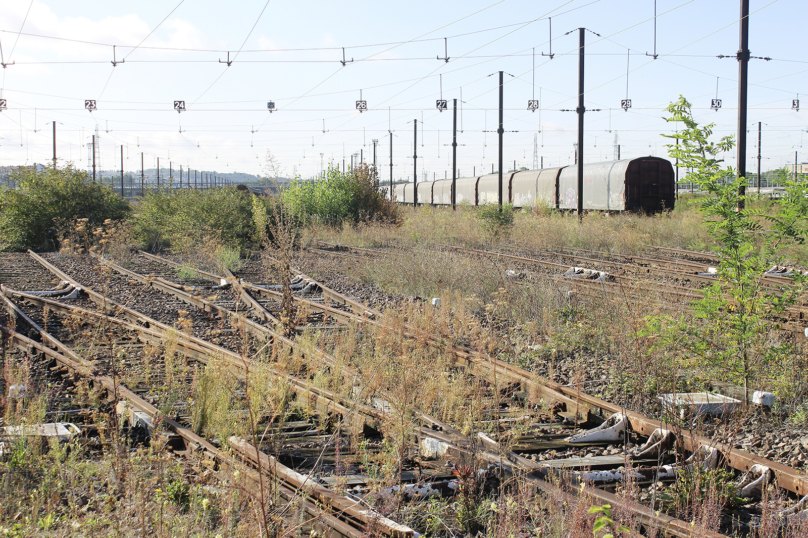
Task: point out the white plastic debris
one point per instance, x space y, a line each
588 274
610 431
763 398
705 457
16 391
659 441
432 449
753 482
436 302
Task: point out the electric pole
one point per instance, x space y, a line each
758 178
581 111
54 145
454 156
158 173
677 171
415 164
375 141
142 175
54 160
500 131
743 69
93 158
391 165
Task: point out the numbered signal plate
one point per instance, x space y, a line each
271 105
179 106
625 104
533 105
90 104
795 104
715 104
361 105
440 104
3 104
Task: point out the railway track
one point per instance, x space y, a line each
654 281
743 459
541 451
352 517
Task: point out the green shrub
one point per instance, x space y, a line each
183 218
338 197
495 221
31 216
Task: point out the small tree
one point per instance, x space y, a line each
735 332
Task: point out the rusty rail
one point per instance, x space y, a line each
464 447
294 481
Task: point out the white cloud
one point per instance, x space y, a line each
126 30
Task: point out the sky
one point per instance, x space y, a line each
58 54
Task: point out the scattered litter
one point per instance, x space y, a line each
16 391
705 457
62 431
436 302
510 273
711 271
612 430
422 491
64 289
299 284
781 270
659 441
753 482
588 274
766 399
794 511
699 403
433 449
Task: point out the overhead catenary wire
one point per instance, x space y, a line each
229 62
338 109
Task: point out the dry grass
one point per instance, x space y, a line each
538 230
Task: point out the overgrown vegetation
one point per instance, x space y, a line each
35 214
183 219
339 197
735 336
495 220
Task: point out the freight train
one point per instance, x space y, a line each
644 184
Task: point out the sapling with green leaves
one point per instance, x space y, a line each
735 335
